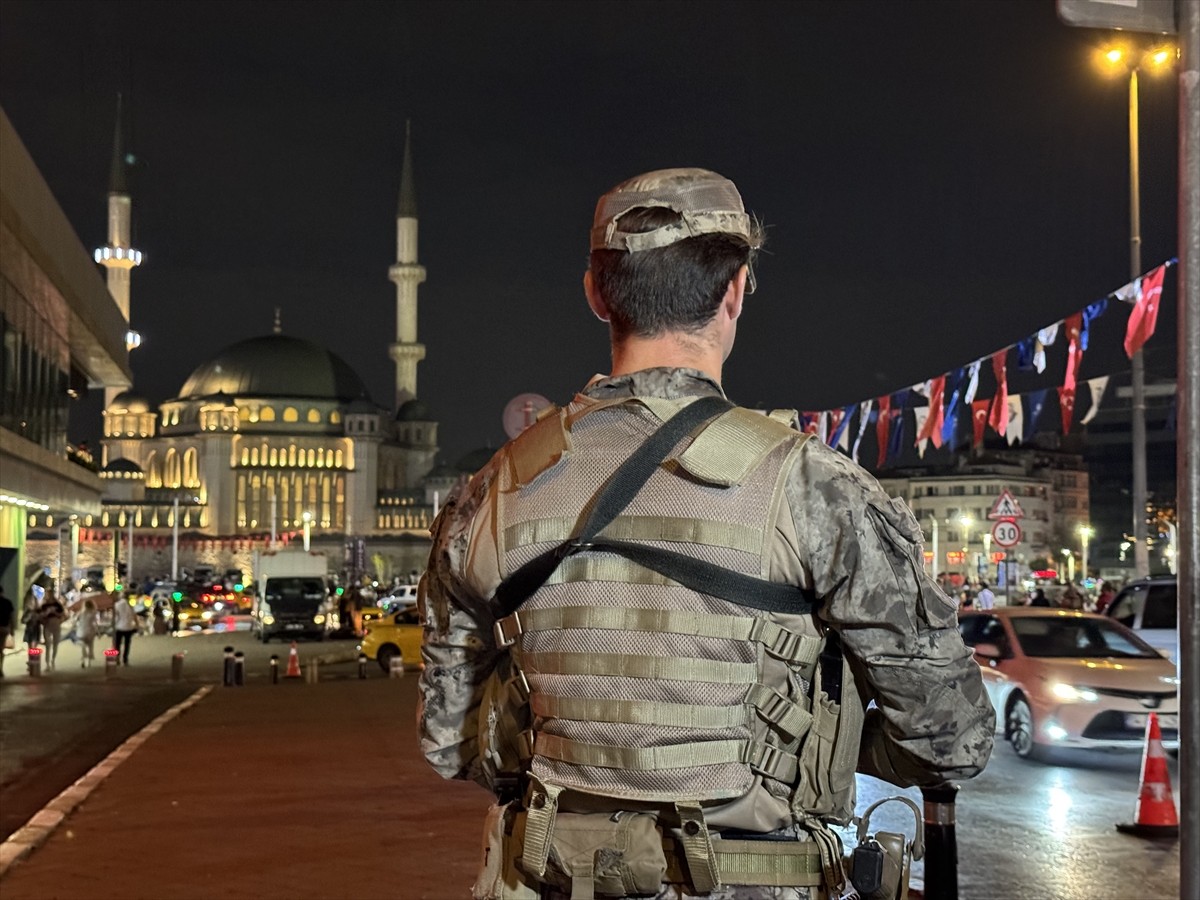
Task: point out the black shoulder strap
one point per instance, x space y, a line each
621 488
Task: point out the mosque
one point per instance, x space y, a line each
273 438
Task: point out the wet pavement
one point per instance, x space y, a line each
318 790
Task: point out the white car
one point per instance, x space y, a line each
1151 609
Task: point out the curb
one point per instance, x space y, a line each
38 829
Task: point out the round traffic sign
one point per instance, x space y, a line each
1006 534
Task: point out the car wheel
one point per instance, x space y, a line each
386 655
1020 730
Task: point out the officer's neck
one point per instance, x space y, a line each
673 350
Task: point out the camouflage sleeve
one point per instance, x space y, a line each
457 647
931 719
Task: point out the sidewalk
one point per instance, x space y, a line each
291 790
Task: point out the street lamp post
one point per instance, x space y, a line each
1085 534
966 522
1070 558
1156 58
987 553
307 518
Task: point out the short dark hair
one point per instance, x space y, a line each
674 288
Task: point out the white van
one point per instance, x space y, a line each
1151 608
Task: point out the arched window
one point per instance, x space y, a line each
335 418
290 414
254 456
244 413
313 415
191 468
153 475
274 457
245 456
171 469
337 458
292 455
267 414
312 458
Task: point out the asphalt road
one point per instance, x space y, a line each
1025 830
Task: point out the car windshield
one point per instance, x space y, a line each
1063 636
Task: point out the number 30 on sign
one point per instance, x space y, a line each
1006 534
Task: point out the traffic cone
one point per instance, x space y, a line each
293 670
1155 811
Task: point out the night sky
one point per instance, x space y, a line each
939 179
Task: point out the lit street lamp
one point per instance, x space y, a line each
307 517
987 553
1128 58
1070 558
1085 534
966 522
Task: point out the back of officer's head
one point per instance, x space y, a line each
665 246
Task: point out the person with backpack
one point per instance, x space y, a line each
655 621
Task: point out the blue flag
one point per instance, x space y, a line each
1025 353
1036 402
896 438
955 382
1093 311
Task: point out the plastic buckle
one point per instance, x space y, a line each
507 630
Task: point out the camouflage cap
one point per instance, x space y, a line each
707 203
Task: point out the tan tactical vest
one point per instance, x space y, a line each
642 693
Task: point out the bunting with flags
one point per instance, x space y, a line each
1144 317
998 417
1037 402
864 419
979 420
1097 387
883 426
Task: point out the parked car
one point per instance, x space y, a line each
1060 678
1151 608
394 635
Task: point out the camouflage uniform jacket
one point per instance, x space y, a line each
837 534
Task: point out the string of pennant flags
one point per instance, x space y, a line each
952 394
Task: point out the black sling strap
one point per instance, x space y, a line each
626 481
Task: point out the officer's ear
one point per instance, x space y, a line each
595 301
735 294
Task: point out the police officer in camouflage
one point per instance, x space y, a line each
666 631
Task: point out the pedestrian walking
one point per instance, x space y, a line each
85 632
52 614
985 599
1040 599
7 624
655 621
30 617
1071 598
125 626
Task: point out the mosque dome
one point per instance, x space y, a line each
275 365
122 468
414 411
129 402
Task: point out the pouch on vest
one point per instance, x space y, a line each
503 721
498 877
897 855
606 855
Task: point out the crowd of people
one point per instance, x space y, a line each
980 595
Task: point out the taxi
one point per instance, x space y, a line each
394 635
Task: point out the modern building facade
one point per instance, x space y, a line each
63 334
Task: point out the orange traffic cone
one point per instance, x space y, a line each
294 663
1155 812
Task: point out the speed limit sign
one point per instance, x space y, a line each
1006 534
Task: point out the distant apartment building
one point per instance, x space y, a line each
952 503
62 334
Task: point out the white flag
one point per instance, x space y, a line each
1016 419
1045 338
972 382
1128 293
1097 386
864 418
823 427
1048 334
921 413
922 388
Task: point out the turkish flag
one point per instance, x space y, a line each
979 418
932 429
882 425
1066 401
835 419
1145 312
1074 329
998 418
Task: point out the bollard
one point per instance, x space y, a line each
274 669
33 661
941 843
312 673
227 680
177 667
239 668
362 665
111 656
396 666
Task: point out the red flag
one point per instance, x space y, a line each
835 419
998 418
1145 312
1066 402
936 418
882 426
809 422
1074 328
979 418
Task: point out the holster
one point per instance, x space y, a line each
898 851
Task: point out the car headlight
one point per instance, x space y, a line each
183 615
268 620
1074 694
319 619
206 615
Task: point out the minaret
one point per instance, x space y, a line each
118 256
408 274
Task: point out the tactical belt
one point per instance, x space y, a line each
699 575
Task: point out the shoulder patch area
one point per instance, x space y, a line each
539 447
733 445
